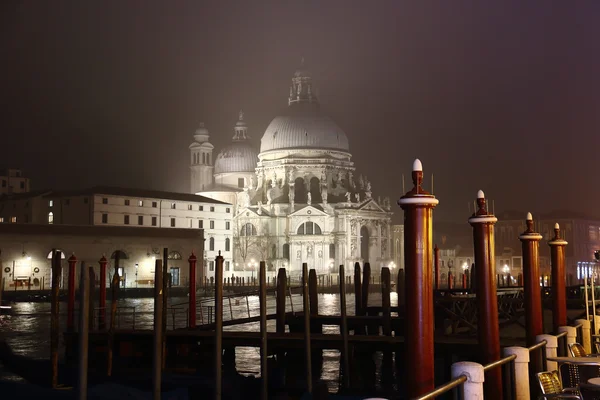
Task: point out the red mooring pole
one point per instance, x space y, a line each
530 241
71 302
559 296
192 297
486 297
418 208
102 319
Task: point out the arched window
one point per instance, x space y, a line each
211 243
248 230
62 254
121 253
51 217
175 255
309 228
227 244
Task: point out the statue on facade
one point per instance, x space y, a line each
348 195
350 179
361 182
298 255
324 194
243 198
290 177
386 203
357 196
259 208
273 179
367 185
261 179
353 249
309 251
270 196
308 198
340 178
323 178
320 254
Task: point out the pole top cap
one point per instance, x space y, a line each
417 165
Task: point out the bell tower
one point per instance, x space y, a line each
201 161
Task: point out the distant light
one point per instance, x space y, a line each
28 258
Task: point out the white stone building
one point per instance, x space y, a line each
299 199
13 181
121 207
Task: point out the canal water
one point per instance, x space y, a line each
27 331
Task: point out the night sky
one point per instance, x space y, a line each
502 96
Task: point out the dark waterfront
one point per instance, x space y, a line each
28 330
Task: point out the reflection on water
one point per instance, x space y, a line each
28 330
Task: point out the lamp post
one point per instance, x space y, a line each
136 275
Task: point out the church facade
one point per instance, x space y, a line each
299 199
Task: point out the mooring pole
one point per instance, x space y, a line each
84 326
386 306
559 292
54 321
344 329
113 314
218 326
165 288
192 295
264 354
71 294
487 300
102 306
306 310
418 207
158 332
530 241
313 299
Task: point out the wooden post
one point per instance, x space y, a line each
84 317
54 321
559 296
158 332
401 288
366 280
71 295
358 329
313 299
344 330
113 314
386 306
165 288
91 293
192 291
218 326
306 310
487 299
531 275
280 301
418 207
264 354
102 304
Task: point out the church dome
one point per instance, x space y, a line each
236 157
303 125
239 155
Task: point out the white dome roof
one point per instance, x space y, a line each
303 126
238 156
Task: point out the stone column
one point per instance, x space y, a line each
472 389
571 333
586 328
530 241
418 208
551 350
486 297
521 370
559 296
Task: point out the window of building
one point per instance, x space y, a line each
190 207
153 221
172 222
13 220
154 204
104 200
173 206
50 217
228 210
211 244
241 183
248 230
104 218
126 219
211 265
226 265
332 250
191 223
227 244
200 224
212 209
212 224
140 203
22 185
227 225
309 228
200 208
67 202
50 203
126 202
140 220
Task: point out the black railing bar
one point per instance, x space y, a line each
443 389
498 363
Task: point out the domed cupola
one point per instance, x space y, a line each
239 155
303 125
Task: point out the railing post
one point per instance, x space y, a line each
551 350
472 389
571 335
585 333
521 370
